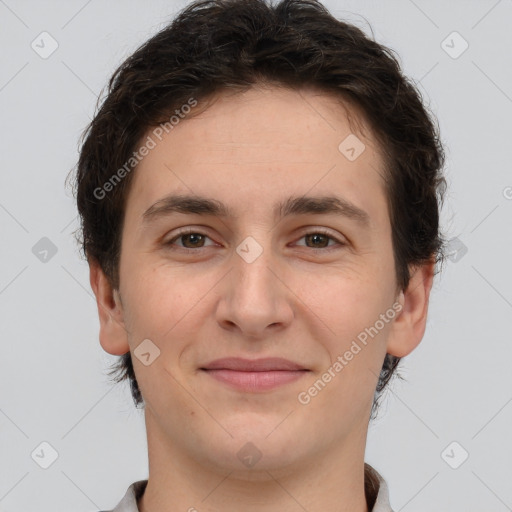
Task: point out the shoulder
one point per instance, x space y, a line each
376 490
129 501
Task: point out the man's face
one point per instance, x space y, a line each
254 284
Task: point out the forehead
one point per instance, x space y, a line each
253 149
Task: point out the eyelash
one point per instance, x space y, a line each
318 231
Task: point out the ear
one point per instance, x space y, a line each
409 325
113 334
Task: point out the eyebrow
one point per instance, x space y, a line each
294 205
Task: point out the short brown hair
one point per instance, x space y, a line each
218 45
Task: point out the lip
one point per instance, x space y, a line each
253 365
253 375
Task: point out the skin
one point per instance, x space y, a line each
302 299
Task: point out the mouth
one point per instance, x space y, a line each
254 375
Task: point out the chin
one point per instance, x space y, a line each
258 445
253 461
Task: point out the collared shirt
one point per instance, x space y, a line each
375 488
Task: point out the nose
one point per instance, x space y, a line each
256 301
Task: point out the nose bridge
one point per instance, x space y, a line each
252 284
254 298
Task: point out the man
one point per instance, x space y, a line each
259 195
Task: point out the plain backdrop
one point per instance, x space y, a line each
442 439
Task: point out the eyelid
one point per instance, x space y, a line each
312 230
188 231
308 230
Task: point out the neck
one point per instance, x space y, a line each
331 480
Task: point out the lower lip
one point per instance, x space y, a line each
256 381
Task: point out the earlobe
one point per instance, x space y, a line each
113 335
409 325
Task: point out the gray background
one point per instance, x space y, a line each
53 381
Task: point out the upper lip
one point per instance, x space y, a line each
253 365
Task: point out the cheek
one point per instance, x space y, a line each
346 385
158 296
359 316
347 301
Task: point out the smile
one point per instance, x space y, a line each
254 375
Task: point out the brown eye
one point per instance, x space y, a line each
320 239
189 239
193 239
